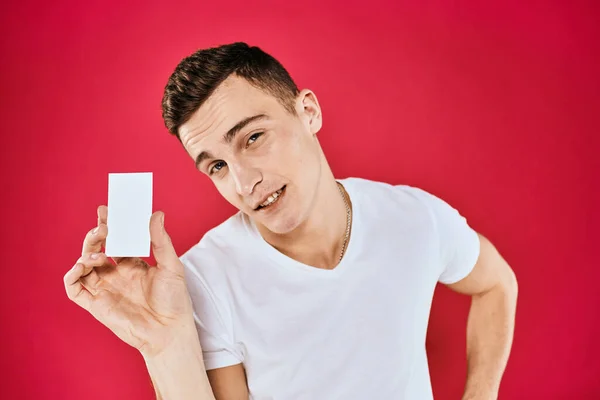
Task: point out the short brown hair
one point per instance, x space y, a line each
197 76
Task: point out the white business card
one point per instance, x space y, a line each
129 212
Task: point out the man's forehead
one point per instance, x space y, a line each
215 123
231 102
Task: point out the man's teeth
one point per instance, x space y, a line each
272 198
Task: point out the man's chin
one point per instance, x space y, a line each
278 225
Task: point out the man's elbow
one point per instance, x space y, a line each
509 284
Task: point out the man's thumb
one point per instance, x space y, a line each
162 248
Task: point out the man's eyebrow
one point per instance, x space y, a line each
201 157
230 135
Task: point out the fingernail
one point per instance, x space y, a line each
95 230
162 220
95 255
74 266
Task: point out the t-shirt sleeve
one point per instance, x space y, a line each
458 243
212 319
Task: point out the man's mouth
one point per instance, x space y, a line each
271 199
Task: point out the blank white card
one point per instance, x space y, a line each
129 212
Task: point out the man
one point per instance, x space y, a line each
317 288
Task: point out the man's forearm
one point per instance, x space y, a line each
178 372
490 331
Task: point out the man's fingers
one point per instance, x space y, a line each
162 247
83 280
94 240
89 277
102 212
75 290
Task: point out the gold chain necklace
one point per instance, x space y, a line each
348 217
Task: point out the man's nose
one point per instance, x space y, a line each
245 178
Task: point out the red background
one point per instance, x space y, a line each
493 108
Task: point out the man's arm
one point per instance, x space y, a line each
493 287
229 383
179 373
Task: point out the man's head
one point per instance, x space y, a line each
240 116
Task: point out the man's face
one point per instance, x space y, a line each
263 160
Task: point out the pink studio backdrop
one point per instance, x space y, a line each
493 108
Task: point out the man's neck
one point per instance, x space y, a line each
319 239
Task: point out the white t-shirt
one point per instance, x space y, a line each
355 332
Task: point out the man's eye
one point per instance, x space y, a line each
254 137
217 167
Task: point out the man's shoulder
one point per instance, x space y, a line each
373 190
218 244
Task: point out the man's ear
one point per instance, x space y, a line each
309 111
